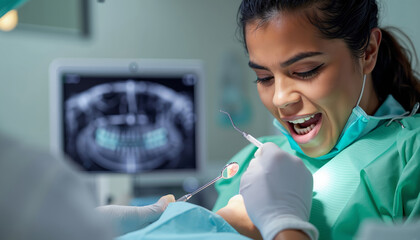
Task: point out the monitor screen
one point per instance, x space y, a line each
128 116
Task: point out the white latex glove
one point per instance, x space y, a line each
277 191
131 218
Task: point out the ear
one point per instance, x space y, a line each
371 53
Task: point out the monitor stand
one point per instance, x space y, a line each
113 188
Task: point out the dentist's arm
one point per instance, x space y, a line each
277 192
130 218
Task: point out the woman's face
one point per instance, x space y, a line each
309 83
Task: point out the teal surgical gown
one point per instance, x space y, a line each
375 178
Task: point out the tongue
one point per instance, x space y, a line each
313 120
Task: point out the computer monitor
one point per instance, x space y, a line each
129 115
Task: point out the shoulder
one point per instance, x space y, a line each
33 164
48 196
391 152
408 139
23 164
395 173
19 159
398 133
411 126
395 143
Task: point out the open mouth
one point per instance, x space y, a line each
304 129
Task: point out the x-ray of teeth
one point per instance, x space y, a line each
130 126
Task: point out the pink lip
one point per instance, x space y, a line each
302 139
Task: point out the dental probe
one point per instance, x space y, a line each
186 197
228 171
250 138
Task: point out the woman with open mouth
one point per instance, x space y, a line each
344 95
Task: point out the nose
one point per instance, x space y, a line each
285 94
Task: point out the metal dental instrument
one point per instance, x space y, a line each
228 171
250 138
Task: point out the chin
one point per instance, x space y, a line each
315 152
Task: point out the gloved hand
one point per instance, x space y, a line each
131 218
277 191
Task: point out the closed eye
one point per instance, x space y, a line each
310 73
303 75
263 80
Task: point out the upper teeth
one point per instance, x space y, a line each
301 120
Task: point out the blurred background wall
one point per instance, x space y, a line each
197 29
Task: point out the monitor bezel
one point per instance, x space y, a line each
129 68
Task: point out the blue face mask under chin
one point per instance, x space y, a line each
358 124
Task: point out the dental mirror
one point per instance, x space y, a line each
228 171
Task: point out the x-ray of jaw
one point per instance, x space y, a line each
130 126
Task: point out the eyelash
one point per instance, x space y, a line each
303 75
262 80
310 73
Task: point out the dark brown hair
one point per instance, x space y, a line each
352 21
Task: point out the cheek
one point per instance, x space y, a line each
326 88
331 93
320 93
337 98
266 96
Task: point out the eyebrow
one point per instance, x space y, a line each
289 62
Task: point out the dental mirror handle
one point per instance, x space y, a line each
189 195
184 198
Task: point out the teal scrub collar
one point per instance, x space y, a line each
358 124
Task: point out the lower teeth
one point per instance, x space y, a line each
303 131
